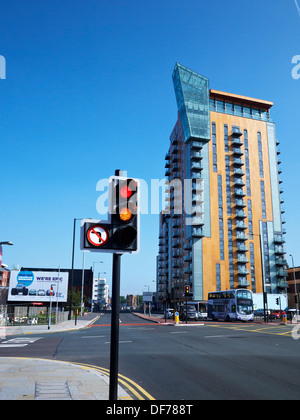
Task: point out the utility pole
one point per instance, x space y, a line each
114 335
295 285
115 316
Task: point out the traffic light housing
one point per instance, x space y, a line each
120 233
187 290
277 301
124 213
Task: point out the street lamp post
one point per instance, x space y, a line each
296 294
265 296
82 284
72 270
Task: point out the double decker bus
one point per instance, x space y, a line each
231 305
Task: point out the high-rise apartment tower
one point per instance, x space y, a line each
231 233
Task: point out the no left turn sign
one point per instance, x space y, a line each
97 235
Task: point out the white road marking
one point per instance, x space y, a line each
12 345
19 342
215 336
94 336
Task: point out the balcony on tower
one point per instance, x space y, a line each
237 151
236 141
238 161
236 132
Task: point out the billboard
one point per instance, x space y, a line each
35 286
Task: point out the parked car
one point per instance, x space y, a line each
260 312
189 313
277 314
202 315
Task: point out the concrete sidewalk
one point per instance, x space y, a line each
37 379
40 379
82 322
159 319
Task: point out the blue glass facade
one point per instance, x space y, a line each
192 95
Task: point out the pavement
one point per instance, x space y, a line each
159 319
42 379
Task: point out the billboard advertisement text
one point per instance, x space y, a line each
35 286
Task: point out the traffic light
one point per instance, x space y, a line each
277 301
120 233
187 290
124 212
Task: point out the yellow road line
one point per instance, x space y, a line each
265 329
121 378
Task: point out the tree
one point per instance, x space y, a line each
76 298
122 300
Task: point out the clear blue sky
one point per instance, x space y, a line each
89 90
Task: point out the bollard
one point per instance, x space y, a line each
176 318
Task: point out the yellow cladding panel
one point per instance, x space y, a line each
211 246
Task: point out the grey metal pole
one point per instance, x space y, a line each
57 288
82 283
265 297
296 294
114 339
115 316
72 272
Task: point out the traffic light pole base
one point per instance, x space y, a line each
114 339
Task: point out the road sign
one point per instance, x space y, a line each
97 235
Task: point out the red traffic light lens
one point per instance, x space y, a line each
128 188
126 191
